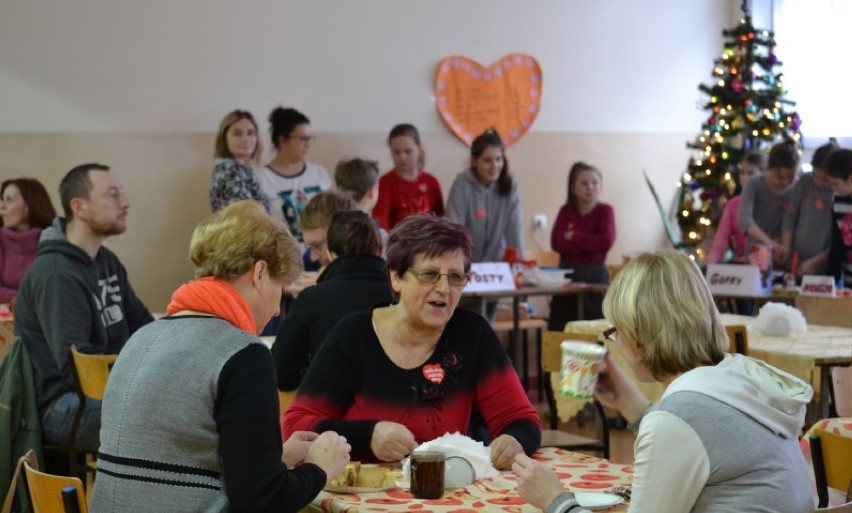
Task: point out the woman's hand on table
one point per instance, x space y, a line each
296 447
392 441
329 452
504 448
616 390
537 484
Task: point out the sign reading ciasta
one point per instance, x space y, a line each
485 276
734 280
813 285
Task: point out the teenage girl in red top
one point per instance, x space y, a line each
582 235
407 188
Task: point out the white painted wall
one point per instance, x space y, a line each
178 65
141 86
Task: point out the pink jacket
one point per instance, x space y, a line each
728 233
17 252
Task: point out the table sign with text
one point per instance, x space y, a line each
734 280
487 276
813 285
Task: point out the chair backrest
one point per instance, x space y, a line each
551 350
46 491
841 378
737 338
832 457
545 258
92 372
840 508
826 311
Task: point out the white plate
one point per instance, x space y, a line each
597 500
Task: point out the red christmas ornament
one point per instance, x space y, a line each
737 85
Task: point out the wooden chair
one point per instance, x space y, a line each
832 459
737 338
551 362
46 491
525 326
826 311
829 311
90 372
841 508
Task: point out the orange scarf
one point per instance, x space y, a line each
215 297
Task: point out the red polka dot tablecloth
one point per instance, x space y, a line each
579 473
839 426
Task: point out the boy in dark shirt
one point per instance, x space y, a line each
839 168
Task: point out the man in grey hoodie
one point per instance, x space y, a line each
77 293
724 435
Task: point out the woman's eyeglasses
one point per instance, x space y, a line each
609 334
431 277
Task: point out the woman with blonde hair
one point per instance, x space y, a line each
724 435
237 148
190 414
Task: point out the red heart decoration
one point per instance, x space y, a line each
434 373
472 98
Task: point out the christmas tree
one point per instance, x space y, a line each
747 111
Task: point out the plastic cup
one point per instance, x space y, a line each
581 364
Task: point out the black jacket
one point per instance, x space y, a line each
349 284
66 298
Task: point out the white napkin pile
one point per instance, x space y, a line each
456 444
779 320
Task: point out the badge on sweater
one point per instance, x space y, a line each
434 373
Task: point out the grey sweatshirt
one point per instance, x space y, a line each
494 221
809 218
724 438
760 206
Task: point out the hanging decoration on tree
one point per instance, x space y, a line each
747 110
472 98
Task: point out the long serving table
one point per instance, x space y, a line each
808 355
803 354
578 472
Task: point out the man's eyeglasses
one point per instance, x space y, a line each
432 276
609 334
304 139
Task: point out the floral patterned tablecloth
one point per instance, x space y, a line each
579 473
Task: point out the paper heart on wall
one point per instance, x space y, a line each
472 98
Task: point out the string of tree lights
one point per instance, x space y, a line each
747 111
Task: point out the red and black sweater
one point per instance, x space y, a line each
352 384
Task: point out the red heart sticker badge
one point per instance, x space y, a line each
434 373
